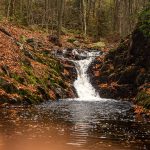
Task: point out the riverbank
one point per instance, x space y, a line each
124 73
29 72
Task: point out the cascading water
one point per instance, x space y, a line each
82 85
82 60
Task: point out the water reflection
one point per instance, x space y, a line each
68 125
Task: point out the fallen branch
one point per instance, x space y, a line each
5 32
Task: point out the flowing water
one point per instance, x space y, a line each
85 123
82 85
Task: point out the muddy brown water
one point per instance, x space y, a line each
72 125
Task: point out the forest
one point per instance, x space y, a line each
74 74
96 18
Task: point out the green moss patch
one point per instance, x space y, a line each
144 24
143 99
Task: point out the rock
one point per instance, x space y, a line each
106 91
55 40
44 93
77 43
32 42
59 93
117 91
143 98
29 54
128 76
59 52
104 67
113 77
141 79
3 99
98 45
5 68
110 55
52 95
7 86
26 62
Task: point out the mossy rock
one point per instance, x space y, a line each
31 78
7 86
98 45
18 78
71 40
143 99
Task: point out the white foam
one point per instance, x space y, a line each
85 90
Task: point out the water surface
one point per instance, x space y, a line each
71 125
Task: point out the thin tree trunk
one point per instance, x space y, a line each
84 17
60 16
8 9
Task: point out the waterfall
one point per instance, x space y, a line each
82 85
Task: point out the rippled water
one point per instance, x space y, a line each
71 125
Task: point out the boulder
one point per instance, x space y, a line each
128 76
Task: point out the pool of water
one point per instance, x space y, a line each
73 124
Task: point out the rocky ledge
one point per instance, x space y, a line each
124 73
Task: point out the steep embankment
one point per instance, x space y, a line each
124 73
28 71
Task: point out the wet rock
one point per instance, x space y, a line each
59 93
59 52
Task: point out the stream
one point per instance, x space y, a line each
84 123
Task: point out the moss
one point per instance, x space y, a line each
18 78
51 62
143 99
2 74
112 50
23 38
71 40
23 92
31 78
29 97
144 23
8 87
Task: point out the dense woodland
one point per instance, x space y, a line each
96 18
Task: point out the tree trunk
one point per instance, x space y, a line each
84 17
60 16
